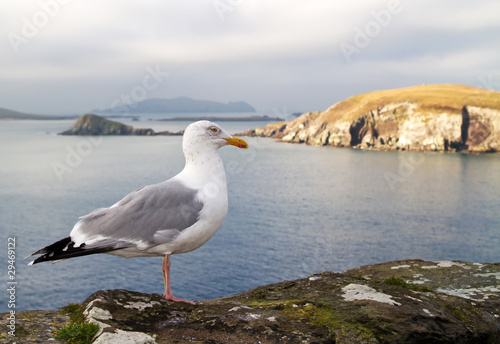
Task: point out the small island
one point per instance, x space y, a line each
93 125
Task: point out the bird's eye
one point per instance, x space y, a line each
213 130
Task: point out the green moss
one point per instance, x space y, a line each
398 281
21 331
277 305
258 294
323 316
326 317
463 314
298 310
75 312
77 331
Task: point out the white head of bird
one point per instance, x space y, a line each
207 137
200 144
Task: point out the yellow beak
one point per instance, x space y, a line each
236 141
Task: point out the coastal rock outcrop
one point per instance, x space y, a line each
420 118
410 301
91 124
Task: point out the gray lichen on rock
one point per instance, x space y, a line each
355 306
33 326
459 302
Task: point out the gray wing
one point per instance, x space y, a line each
149 216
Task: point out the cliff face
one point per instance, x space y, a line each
421 118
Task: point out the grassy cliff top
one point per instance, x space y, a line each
426 98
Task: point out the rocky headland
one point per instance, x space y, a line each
410 301
421 118
91 124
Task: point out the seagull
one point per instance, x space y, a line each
175 216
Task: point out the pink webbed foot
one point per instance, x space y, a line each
176 299
166 277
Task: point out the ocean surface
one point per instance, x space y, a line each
294 210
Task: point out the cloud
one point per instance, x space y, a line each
282 51
458 16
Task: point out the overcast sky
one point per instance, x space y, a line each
72 56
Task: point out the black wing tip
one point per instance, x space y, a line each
49 252
64 249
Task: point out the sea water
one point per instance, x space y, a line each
294 210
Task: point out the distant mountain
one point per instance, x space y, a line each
11 114
179 105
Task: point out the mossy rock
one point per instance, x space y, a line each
399 302
411 301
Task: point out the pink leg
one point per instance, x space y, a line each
166 278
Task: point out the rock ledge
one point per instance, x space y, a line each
356 306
